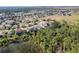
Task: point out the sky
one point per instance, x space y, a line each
39 2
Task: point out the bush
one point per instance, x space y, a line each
60 36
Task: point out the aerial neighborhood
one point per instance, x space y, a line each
30 21
46 29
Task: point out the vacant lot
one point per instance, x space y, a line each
69 19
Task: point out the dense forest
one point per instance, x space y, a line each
60 37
